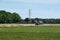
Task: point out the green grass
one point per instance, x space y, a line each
30 33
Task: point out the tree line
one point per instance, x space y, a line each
8 17
45 21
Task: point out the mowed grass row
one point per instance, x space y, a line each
30 29
30 33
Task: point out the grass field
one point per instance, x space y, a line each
30 33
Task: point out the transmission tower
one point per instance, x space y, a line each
30 13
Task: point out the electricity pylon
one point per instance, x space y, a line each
30 15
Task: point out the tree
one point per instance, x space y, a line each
8 17
16 18
2 16
27 20
37 19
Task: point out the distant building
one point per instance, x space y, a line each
38 22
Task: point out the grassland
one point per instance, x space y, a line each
30 33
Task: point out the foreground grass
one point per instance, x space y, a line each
30 33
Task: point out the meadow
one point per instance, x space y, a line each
30 33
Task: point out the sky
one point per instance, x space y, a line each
39 8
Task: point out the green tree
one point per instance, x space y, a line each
16 18
27 20
8 17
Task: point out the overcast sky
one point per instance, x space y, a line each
39 8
